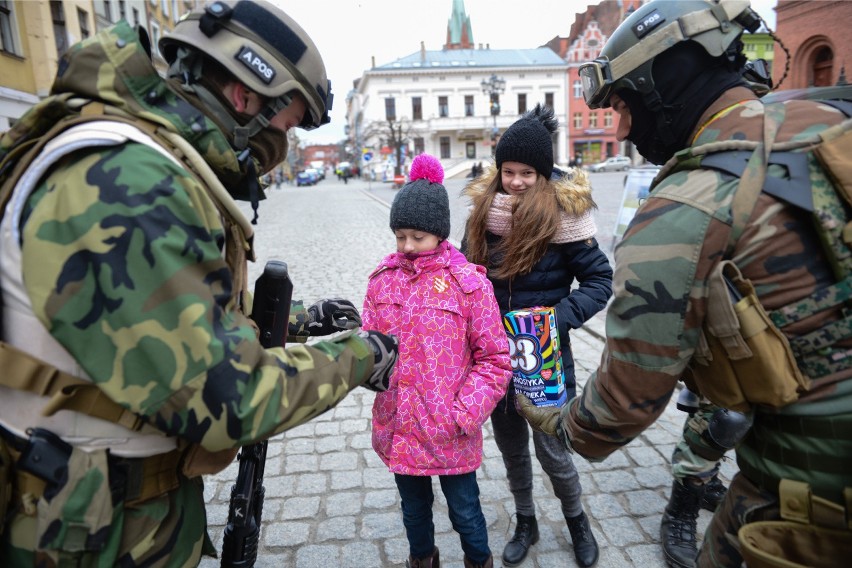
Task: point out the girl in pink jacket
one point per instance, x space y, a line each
452 370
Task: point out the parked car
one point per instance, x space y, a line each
614 164
307 177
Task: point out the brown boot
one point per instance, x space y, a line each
431 561
489 563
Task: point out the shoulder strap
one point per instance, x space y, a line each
752 178
24 372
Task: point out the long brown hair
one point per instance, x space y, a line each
535 219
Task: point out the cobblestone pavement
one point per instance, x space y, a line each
330 501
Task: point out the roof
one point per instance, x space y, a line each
471 58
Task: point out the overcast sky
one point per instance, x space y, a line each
349 33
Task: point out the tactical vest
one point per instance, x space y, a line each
61 384
743 360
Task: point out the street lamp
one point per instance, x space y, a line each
493 87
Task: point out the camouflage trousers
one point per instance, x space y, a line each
690 457
168 531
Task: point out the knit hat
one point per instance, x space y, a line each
528 141
422 203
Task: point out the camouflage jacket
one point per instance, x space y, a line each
123 263
662 265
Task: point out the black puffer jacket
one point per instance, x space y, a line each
550 283
575 278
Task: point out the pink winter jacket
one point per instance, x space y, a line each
453 363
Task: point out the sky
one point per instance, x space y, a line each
349 33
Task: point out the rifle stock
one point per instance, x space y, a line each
273 291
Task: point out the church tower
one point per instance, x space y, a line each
459 34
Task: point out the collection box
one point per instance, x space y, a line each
535 354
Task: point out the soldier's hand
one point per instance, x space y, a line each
542 418
326 317
385 351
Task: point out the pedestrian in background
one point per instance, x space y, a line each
124 286
453 367
532 227
729 283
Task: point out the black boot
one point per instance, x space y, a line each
714 494
585 545
677 529
431 561
526 535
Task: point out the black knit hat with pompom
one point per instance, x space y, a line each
529 141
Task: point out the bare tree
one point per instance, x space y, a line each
395 134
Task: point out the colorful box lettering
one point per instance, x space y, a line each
536 358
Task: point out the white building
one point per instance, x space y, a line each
437 100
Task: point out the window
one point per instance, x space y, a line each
8 27
155 34
470 150
608 119
419 147
83 19
60 36
164 6
122 10
135 16
468 105
175 11
593 120
107 11
416 108
578 89
548 99
390 108
522 103
445 147
443 108
578 120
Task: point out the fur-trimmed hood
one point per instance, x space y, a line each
573 190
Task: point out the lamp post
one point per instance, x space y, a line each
494 87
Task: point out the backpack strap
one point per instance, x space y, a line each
753 177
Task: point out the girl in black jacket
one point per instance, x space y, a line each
531 225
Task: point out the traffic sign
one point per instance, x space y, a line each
367 156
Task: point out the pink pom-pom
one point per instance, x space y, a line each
428 167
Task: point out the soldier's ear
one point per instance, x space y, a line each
239 95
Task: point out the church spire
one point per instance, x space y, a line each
459 34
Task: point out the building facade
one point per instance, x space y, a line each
452 103
34 34
591 131
32 37
819 38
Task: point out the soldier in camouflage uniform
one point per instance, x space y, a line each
130 366
672 71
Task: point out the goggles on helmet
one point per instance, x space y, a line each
655 35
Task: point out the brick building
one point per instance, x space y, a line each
591 132
819 37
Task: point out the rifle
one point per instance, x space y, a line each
273 291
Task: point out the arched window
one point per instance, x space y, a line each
823 65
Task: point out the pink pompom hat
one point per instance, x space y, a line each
422 203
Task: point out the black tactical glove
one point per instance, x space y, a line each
545 419
385 351
324 318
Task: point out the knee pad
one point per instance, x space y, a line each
726 428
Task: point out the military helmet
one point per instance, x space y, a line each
262 47
627 59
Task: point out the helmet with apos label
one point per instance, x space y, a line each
262 47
